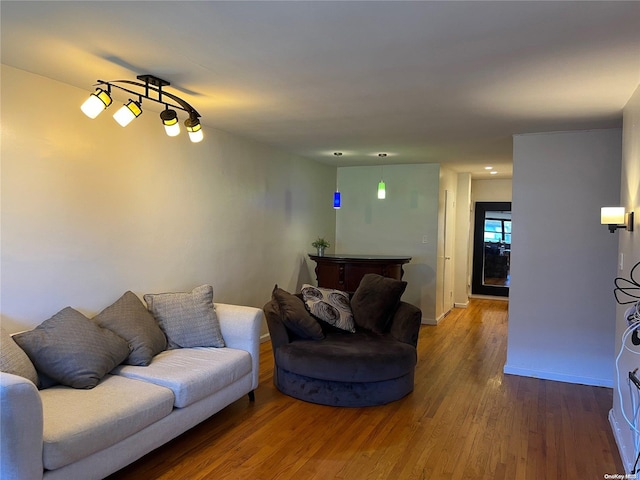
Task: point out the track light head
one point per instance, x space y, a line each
97 102
128 112
194 128
170 122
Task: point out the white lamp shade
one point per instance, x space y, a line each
382 194
612 216
96 103
172 130
127 113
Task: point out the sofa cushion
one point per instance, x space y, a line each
375 300
13 359
192 373
329 305
130 319
187 319
72 349
78 423
295 316
358 357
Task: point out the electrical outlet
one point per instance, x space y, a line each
425 239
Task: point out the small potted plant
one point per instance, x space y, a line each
320 244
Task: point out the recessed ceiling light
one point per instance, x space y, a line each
493 172
488 168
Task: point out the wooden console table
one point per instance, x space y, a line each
344 272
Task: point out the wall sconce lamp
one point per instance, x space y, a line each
100 100
616 217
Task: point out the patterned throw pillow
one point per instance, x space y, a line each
13 359
187 319
331 306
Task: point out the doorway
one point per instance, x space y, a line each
491 273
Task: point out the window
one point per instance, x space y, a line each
497 230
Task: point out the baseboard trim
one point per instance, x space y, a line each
558 377
265 337
626 456
489 297
428 321
461 305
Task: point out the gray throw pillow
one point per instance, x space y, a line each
375 300
129 318
72 349
13 359
187 319
329 305
295 316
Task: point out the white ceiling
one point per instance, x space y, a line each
445 82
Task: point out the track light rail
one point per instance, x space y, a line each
101 100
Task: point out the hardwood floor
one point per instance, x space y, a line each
464 420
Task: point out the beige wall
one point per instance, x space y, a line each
396 225
90 210
491 190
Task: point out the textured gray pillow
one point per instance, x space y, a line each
13 359
329 305
72 349
187 319
129 318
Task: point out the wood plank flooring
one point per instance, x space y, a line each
464 420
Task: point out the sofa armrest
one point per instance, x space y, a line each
21 424
240 326
405 324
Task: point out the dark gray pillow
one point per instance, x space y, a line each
295 316
375 299
72 349
14 360
187 319
329 305
130 319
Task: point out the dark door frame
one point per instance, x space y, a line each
477 285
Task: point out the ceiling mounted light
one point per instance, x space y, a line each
170 122
194 128
127 113
97 102
382 188
151 90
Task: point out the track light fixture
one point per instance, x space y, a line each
100 100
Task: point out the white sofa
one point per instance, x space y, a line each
66 433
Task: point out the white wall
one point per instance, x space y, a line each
491 190
563 260
396 225
463 246
629 248
90 210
